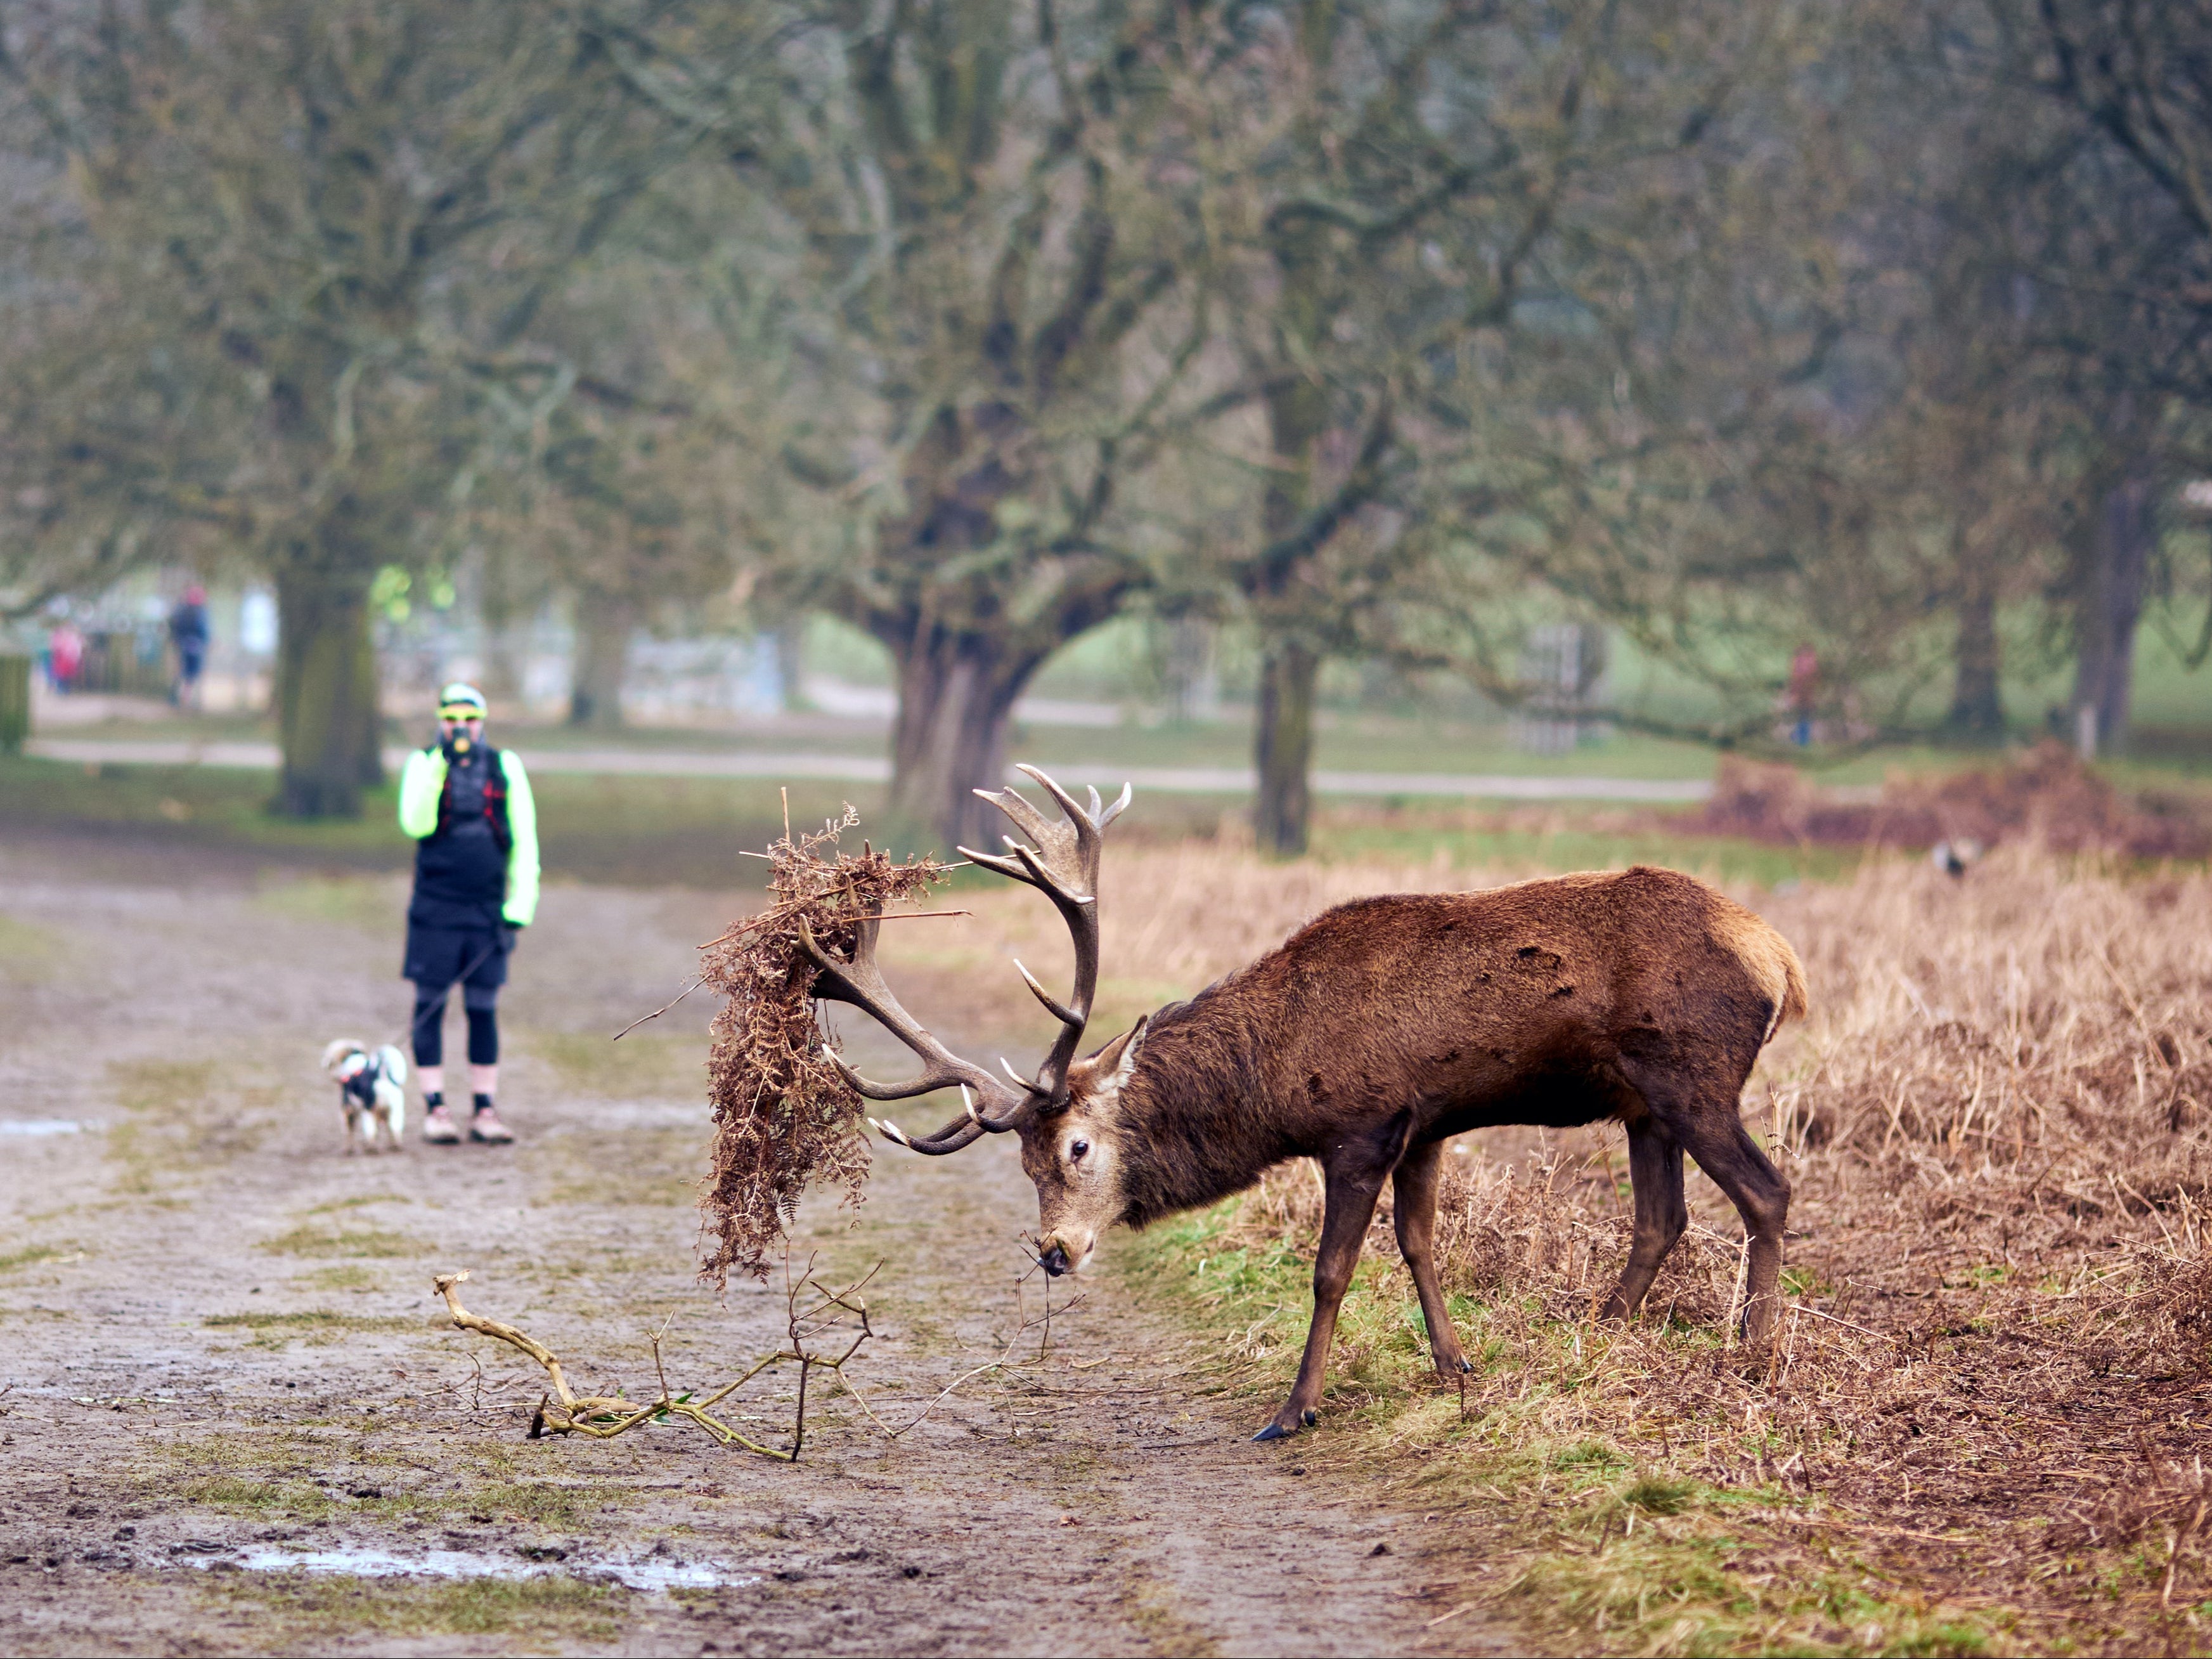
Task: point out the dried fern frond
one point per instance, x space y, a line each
784 1119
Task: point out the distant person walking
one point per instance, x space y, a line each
1804 694
64 657
188 632
469 807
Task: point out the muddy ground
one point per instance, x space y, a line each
223 1354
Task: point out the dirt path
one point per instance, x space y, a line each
220 1338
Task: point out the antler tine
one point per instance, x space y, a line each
1002 862
1052 1005
1016 806
955 1135
1064 863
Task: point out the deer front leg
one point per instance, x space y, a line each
1352 1182
1413 1188
1655 1179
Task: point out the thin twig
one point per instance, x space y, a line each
657 1012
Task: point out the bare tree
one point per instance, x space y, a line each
338 221
997 275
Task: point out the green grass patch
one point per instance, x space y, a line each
1613 1546
32 1255
367 903
315 1327
645 832
345 1276
1565 841
551 1610
29 954
183 1117
644 1064
316 1319
647 1167
359 1242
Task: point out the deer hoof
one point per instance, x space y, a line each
1272 1431
1310 1417
1465 1365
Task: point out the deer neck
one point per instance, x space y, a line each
1192 1119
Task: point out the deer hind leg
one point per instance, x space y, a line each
1352 1182
1413 1186
1717 1140
1654 1178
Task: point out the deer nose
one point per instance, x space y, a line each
1054 1260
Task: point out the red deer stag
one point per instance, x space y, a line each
1375 1032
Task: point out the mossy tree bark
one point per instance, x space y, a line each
326 688
1282 815
955 712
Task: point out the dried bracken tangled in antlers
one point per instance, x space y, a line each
783 1115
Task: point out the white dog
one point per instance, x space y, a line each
371 1089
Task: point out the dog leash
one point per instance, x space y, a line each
415 1026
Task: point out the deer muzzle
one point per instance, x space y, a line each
1053 1258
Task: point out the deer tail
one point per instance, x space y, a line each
1788 995
1772 965
1794 997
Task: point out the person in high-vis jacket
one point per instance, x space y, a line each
469 807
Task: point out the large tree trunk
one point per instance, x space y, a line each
327 684
1297 414
956 707
1976 704
1283 743
2108 603
605 627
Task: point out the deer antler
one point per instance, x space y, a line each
860 983
1064 866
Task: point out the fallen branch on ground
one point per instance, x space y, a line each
604 1416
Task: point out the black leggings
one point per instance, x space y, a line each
430 1027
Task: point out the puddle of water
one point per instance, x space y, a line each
362 1561
39 1127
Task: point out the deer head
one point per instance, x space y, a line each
1065 1114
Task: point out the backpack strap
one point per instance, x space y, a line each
496 800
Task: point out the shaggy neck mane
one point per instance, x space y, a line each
1190 1128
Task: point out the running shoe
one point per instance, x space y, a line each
439 1127
488 1128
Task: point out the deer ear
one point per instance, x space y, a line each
1119 1058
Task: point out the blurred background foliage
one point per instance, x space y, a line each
1662 346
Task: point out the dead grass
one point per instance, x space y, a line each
2042 797
1983 1422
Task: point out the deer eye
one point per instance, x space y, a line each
1076 1151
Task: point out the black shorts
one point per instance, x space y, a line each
436 956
